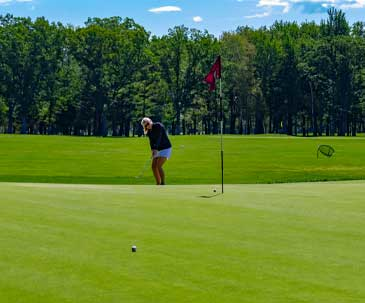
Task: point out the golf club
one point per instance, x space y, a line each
144 168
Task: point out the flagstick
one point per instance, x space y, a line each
221 106
214 73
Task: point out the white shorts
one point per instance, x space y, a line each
165 153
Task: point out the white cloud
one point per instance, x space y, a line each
286 5
165 9
198 19
273 3
265 14
7 2
343 4
355 4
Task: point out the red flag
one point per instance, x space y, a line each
215 73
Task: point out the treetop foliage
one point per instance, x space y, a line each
102 78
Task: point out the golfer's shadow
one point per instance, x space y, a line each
211 196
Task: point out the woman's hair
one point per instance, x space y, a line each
145 122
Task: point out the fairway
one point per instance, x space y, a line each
300 242
195 160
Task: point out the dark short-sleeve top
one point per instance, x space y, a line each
158 137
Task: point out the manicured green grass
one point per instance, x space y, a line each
281 243
196 160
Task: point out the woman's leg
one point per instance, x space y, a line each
160 162
156 171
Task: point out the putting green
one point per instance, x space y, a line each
300 242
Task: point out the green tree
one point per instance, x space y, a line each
240 84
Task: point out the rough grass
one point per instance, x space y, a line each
196 160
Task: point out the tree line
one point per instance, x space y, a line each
102 78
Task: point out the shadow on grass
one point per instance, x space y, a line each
211 196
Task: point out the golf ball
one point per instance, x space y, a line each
134 248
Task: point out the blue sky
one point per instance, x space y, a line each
157 16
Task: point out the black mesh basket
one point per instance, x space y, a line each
325 150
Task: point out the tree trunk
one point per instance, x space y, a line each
342 124
315 129
127 128
173 128
354 125
10 129
178 121
232 124
195 124
328 127
24 128
114 129
259 123
184 127
290 125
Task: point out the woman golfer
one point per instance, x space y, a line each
160 146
